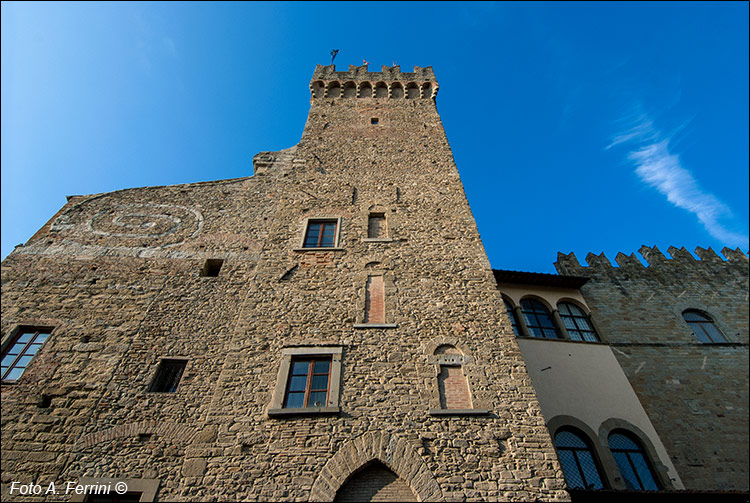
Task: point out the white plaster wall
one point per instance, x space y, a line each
586 381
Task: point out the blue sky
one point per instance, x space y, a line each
585 127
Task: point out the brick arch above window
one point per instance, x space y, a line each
180 433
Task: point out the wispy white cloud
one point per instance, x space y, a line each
662 169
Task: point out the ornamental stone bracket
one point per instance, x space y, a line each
392 451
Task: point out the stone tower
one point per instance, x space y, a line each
327 328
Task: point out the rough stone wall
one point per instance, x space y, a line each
118 277
695 394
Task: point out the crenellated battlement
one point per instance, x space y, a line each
681 259
359 82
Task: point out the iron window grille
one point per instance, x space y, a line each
168 376
308 384
19 353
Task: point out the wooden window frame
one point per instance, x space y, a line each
312 362
13 340
289 355
336 234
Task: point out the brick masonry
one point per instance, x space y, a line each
118 276
695 394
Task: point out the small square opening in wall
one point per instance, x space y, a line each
168 376
374 121
212 267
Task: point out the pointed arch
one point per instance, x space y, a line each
390 450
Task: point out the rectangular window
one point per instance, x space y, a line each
18 354
212 267
376 228
168 376
320 234
308 383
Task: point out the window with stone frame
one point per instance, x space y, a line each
538 320
21 350
309 381
577 323
703 326
321 233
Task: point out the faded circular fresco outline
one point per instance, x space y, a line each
121 212
130 224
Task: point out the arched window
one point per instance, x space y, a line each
538 320
703 326
577 322
513 319
632 460
578 461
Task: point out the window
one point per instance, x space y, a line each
19 353
212 267
703 326
374 121
308 383
168 376
632 461
577 460
513 319
577 323
376 226
320 234
538 319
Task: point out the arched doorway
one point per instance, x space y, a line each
375 482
